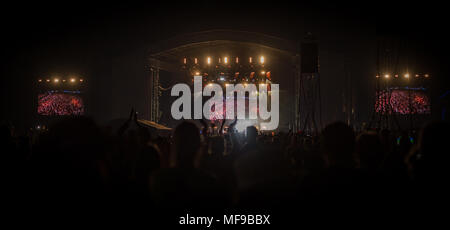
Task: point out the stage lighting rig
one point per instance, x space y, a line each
406 75
60 80
227 69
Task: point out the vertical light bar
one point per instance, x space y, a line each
225 59
261 59
237 59
195 60
250 60
209 60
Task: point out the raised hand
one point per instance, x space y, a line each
221 127
233 124
132 113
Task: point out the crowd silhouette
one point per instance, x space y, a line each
79 164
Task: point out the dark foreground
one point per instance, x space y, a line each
77 172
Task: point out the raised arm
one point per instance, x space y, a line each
125 126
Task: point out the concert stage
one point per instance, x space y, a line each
235 57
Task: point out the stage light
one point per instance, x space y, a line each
81 80
64 80
377 76
225 59
40 80
184 61
72 80
48 80
237 59
396 76
261 59
263 72
386 76
417 75
250 59
426 75
56 80
209 60
407 75
197 73
195 60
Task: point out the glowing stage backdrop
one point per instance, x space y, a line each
403 101
60 103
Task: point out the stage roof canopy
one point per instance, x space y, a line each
169 53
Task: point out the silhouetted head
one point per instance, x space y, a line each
73 158
143 135
252 134
187 144
5 132
370 150
433 144
338 141
385 135
217 145
430 166
148 160
76 139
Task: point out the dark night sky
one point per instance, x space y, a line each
107 42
